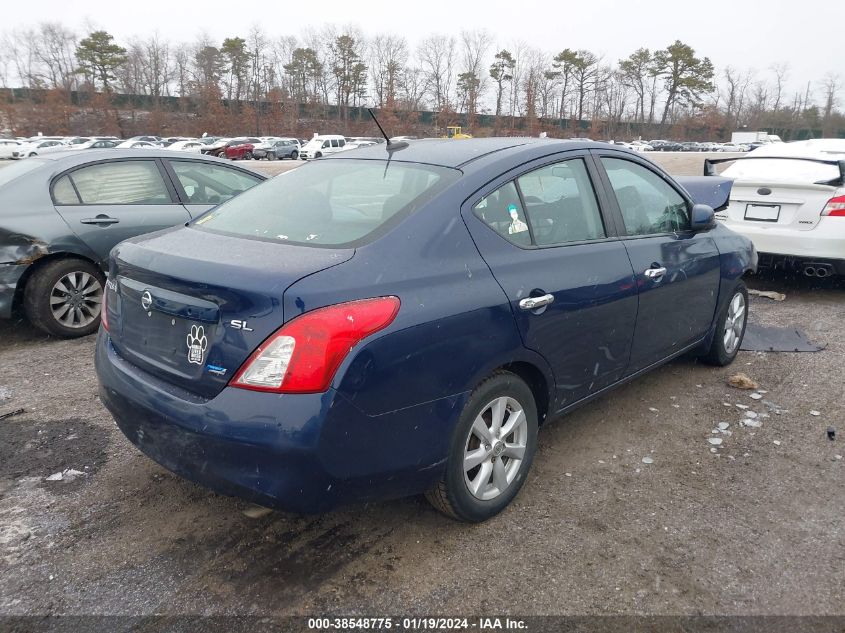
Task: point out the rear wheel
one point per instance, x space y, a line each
730 329
271 156
318 155
64 297
491 452
294 155
248 156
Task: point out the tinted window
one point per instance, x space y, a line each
123 182
561 204
63 192
334 142
649 205
329 202
205 183
326 144
502 211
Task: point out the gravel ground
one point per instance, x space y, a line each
755 528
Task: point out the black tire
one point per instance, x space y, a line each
452 495
31 154
40 289
248 156
294 155
719 354
318 155
271 156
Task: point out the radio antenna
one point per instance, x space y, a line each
392 146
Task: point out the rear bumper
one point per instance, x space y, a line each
300 453
825 241
10 275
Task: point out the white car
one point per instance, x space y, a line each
186 146
789 199
7 146
130 144
322 145
731 147
37 148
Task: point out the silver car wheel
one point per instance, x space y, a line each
75 299
734 322
495 448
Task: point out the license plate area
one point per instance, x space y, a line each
762 212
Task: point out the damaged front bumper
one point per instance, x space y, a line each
10 274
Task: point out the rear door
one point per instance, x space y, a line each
566 274
107 202
677 270
203 185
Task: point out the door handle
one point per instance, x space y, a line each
655 273
100 219
532 303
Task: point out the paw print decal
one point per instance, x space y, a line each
197 342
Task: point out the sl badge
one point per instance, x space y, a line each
197 342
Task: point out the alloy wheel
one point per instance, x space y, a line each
734 323
75 299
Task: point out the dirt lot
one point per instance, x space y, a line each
755 528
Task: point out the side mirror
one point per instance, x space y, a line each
703 217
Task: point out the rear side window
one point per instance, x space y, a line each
561 204
649 205
63 192
205 183
502 211
122 182
330 203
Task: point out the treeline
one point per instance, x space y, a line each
260 81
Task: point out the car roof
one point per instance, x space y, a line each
72 158
459 152
824 148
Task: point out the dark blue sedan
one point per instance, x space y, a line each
395 321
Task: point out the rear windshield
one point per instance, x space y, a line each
8 174
331 202
781 170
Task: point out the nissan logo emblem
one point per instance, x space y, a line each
146 300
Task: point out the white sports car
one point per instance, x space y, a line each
789 199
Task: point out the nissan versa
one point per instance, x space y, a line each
401 319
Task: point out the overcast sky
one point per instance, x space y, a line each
807 34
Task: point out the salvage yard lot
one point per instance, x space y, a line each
755 528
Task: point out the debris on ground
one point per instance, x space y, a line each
5 393
742 381
715 441
815 413
742 406
751 414
755 424
256 512
755 396
647 460
723 426
11 413
777 442
762 338
68 474
768 294
831 433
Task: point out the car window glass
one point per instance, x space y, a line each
502 211
342 142
205 183
334 142
63 192
330 202
326 144
649 205
121 182
561 204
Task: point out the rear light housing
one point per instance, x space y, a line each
835 207
303 355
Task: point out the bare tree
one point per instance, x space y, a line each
55 51
436 54
388 57
781 71
474 48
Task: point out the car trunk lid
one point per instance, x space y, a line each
778 205
181 311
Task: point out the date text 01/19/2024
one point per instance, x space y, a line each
416 624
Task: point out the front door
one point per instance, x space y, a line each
677 270
566 275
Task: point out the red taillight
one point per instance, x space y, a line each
104 316
835 207
303 355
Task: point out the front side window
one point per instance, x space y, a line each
561 203
330 203
206 183
649 205
121 182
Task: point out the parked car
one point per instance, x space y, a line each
789 199
213 145
97 144
322 145
731 147
38 148
130 144
282 148
155 141
185 146
240 149
60 215
384 323
8 146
